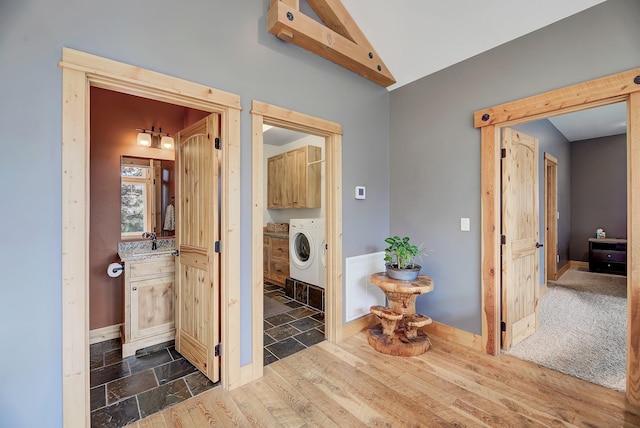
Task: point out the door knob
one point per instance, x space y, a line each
538 245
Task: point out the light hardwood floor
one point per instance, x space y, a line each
351 385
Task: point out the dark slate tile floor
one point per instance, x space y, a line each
291 331
124 391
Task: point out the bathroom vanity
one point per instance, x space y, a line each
148 299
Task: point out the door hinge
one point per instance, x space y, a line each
503 153
217 143
503 326
216 247
176 253
217 350
503 239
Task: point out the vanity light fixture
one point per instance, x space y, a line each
146 138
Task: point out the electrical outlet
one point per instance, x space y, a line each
465 224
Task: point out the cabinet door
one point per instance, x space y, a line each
279 271
295 178
275 181
151 306
280 248
313 177
266 255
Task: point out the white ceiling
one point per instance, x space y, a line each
275 136
415 38
593 123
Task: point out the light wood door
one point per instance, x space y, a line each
197 230
551 217
520 233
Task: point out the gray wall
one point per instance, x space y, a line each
598 191
551 141
435 150
221 44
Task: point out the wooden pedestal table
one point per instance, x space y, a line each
399 330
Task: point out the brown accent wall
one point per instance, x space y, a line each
113 122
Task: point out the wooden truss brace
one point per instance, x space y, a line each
339 40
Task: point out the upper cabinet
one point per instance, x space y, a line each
293 179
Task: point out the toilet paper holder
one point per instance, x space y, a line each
115 269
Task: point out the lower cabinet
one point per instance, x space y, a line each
148 303
276 259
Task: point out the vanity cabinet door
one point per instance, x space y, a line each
151 306
149 298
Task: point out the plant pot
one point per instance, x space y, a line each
410 273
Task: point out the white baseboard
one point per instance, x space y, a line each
105 333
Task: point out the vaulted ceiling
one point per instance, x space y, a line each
416 38
396 43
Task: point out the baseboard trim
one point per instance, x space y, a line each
572 264
443 331
356 326
455 335
105 333
247 374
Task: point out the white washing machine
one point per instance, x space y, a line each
307 250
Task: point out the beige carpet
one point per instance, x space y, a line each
583 329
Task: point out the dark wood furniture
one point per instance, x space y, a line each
608 255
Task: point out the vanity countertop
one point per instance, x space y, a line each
127 256
137 250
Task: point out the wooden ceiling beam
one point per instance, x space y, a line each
340 40
335 16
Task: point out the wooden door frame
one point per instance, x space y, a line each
606 90
550 218
80 71
263 113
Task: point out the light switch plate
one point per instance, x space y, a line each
465 224
360 192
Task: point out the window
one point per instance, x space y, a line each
135 198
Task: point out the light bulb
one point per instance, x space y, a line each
166 142
144 139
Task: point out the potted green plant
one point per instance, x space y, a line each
400 257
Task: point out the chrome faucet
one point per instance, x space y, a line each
151 235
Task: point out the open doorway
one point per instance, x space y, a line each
602 91
80 71
132 315
331 135
584 167
294 241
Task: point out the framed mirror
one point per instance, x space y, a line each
147 197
